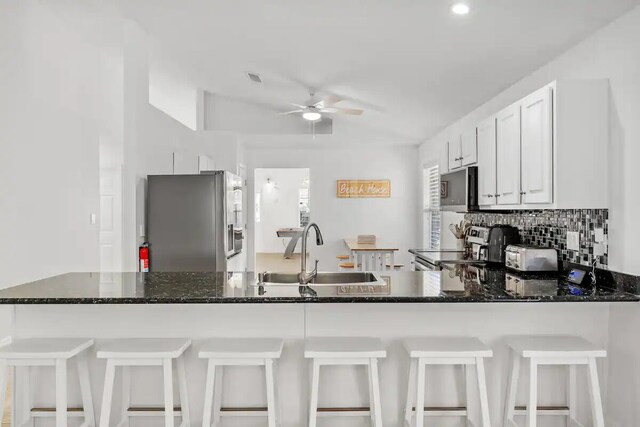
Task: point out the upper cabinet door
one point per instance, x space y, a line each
455 154
487 162
508 155
468 148
537 147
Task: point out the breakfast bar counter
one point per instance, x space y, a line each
201 306
463 284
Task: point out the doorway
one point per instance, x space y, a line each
282 208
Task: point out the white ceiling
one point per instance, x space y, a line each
411 64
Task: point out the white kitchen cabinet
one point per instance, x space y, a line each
551 149
443 158
468 148
537 147
508 155
487 162
463 150
455 153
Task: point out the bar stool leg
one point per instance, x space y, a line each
371 407
168 392
468 379
532 407
23 377
420 393
217 395
61 393
375 384
3 385
571 394
277 396
411 389
315 382
208 393
512 389
482 387
271 404
182 387
594 391
107 394
85 391
126 396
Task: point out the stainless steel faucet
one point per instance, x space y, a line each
305 277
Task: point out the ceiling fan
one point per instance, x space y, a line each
315 107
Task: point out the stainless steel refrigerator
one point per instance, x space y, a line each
195 222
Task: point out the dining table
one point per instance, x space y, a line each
377 256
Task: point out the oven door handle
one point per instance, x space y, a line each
420 265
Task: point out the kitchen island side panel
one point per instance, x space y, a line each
339 386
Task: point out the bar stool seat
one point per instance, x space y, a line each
465 351
332 351
569 351
137 352
223 352
54 352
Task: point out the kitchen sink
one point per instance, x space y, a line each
322 279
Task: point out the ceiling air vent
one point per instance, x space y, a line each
254 77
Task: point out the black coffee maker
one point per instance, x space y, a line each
488 243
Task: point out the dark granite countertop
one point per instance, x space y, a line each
457 285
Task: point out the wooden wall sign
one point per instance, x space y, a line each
350 189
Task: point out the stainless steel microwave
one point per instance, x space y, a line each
459 190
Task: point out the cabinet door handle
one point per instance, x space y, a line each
522 193
497 195
488 195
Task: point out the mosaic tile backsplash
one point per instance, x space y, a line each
549 228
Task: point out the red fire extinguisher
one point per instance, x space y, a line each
143 254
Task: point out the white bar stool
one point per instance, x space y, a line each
345 351
239 352
56 353
465 351
136 352
552 350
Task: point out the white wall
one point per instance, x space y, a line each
151 137
50 92
393 220
173 95
279 206
612 53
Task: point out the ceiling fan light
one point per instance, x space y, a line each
460 9
311 116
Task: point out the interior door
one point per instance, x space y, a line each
469 147
487 162
508 155
455 154
537 147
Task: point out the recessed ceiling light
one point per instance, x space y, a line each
460 9
311 116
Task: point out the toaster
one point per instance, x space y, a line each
531 258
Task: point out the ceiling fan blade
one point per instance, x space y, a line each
328 101
298 105
349 111
290 112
